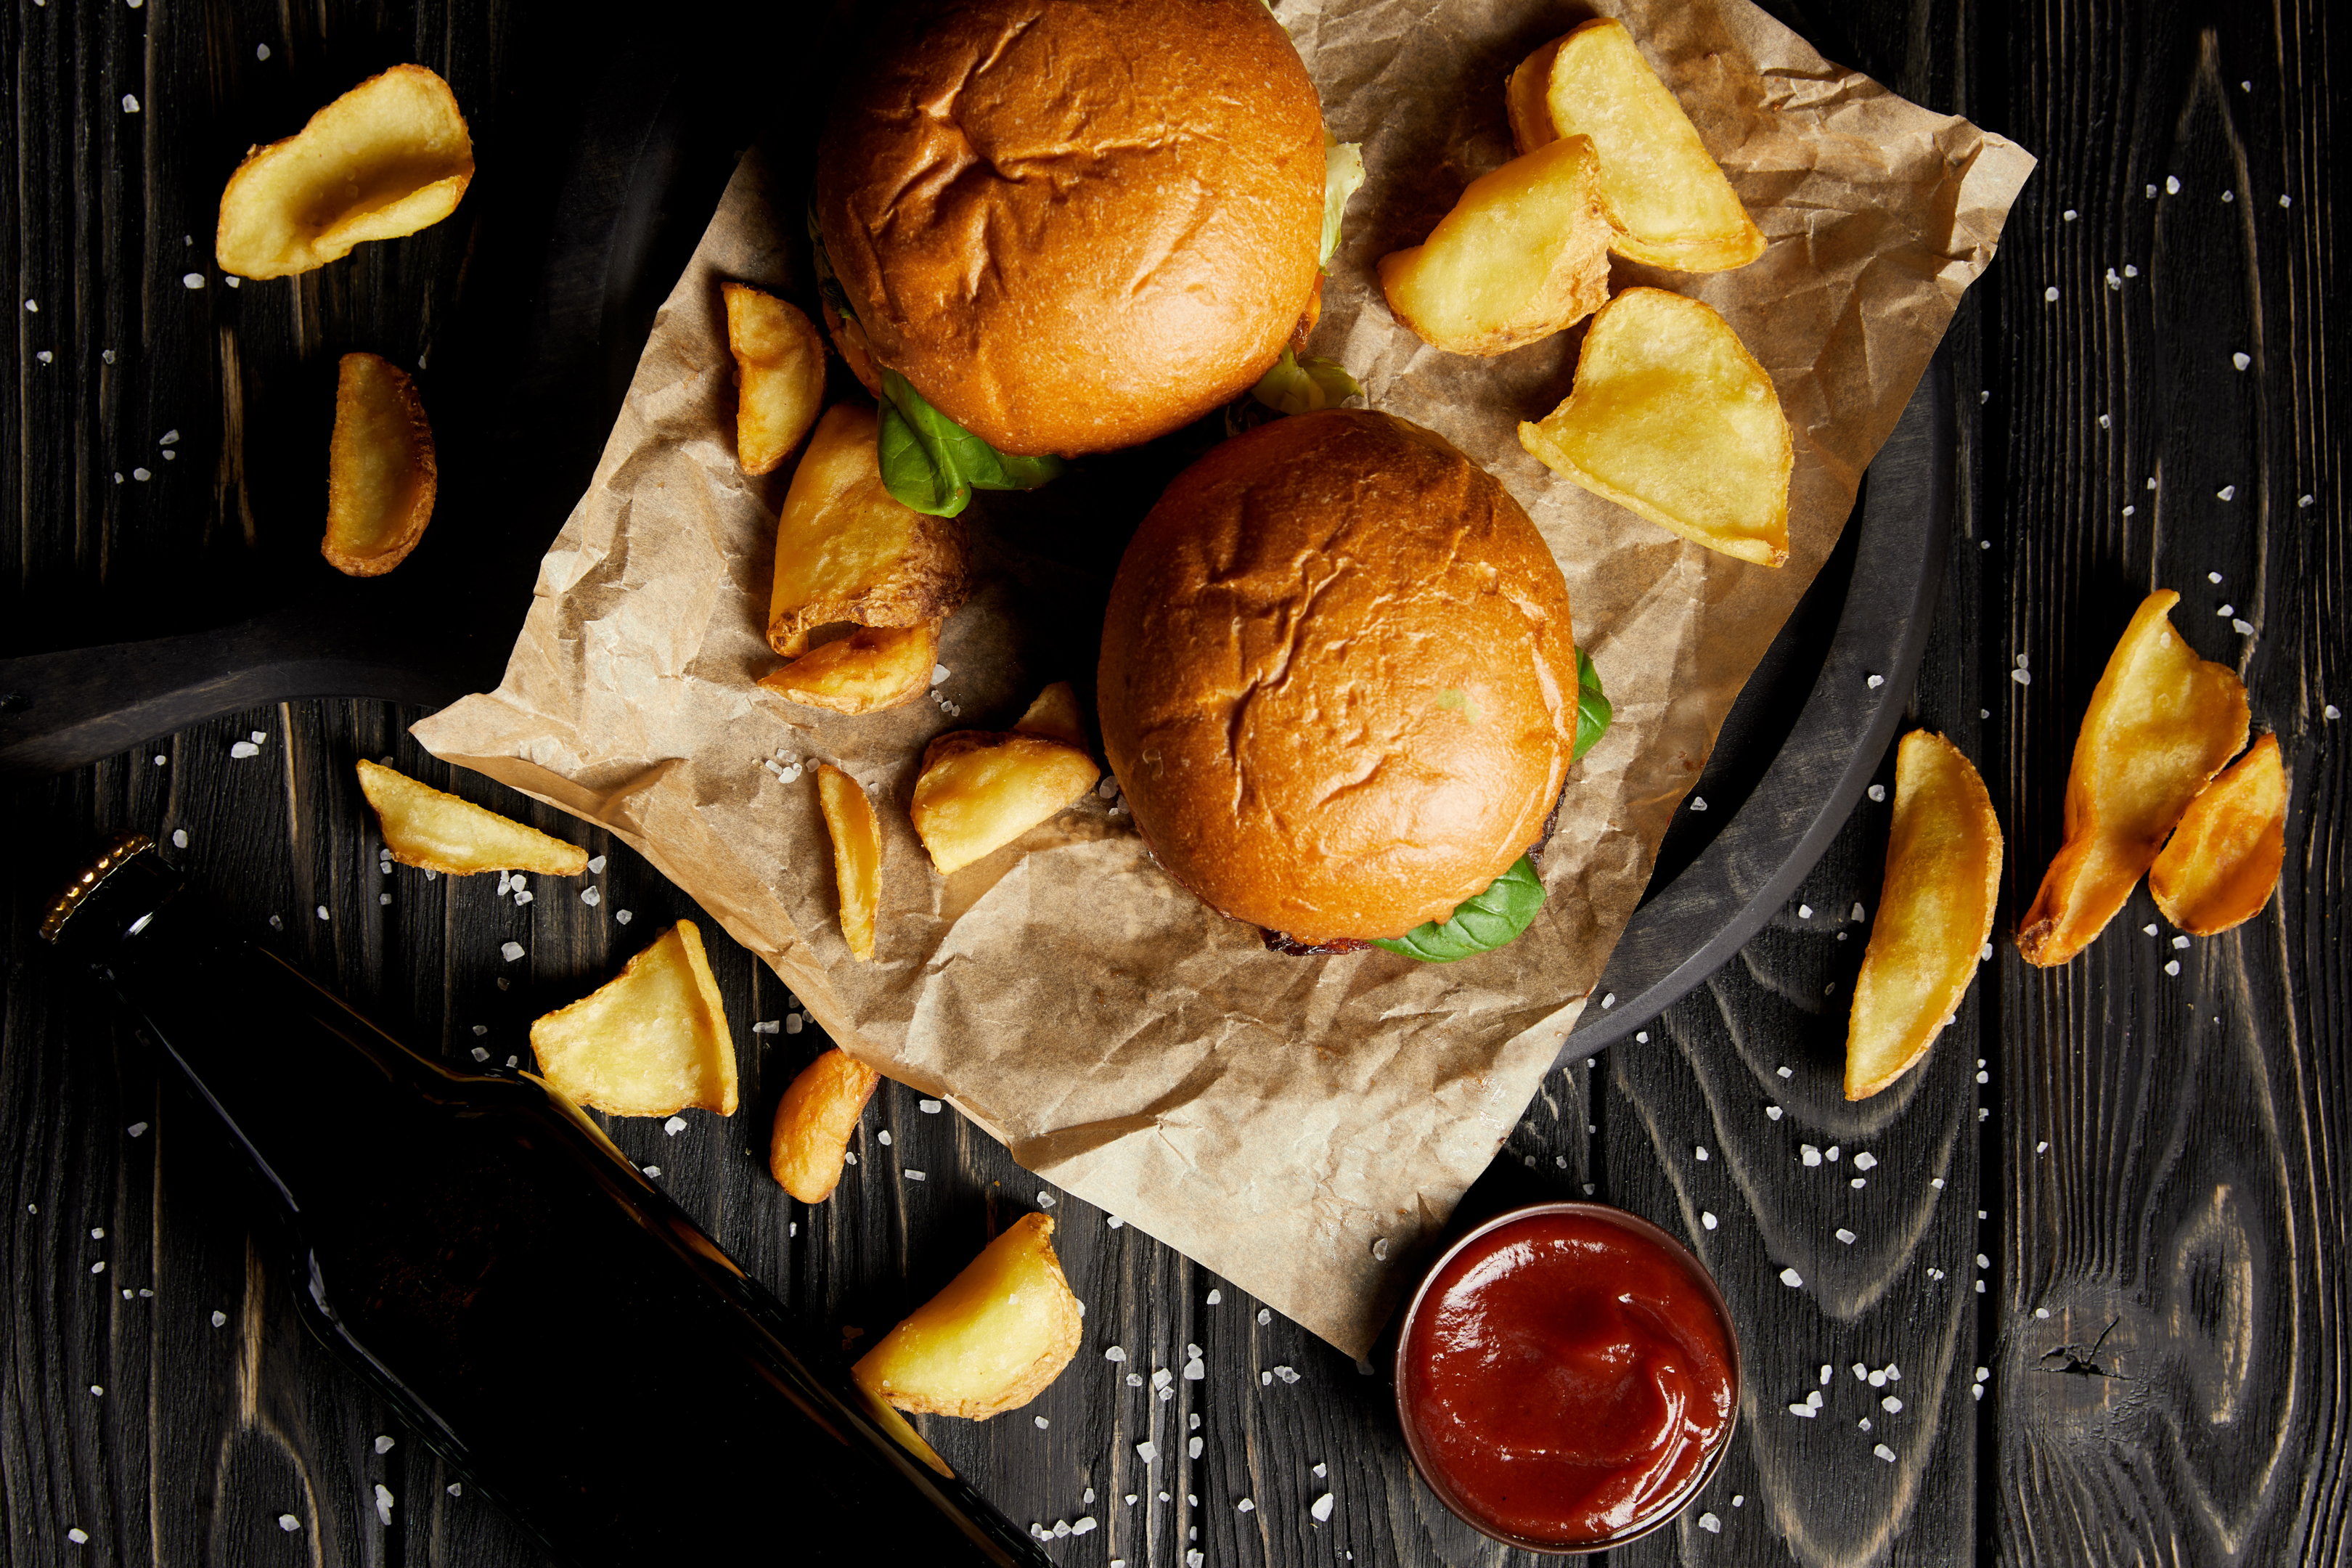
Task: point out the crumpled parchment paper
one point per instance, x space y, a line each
1296 1125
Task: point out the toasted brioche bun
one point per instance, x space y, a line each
1337 680
1076 225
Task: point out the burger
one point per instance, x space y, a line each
1340 691
1047 228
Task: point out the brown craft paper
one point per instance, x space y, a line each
1296 1125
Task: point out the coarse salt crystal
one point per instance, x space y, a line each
383 1445
2041 1312
1845 1235
793 1023
674 1126
511 950
596 864
1083 1526
2068 214
2051 294
2180 942
219 1319
137 1129
1878 791
622 917
179 838
1827 1372
1786 1072
1321 1511
1045 1200
2171 967
885 1136
1214 1297
1115 1353
1194 1371
1813 1398
2331 712
1808 1154
2243 628
245 749
1642 1036
1892 1405
1883 1452
1791 1279
1697 804
77 1536
1858 1183
1264 1315
384 1502
1875 681
1244 1506
1043 1423
1773 1112
1147 1452
2171 184
2240 361
590 896
1804 912
130 103
289 1523
1702 1150
1608 1001
192 279
1865 1161
2227 493
1706 1219
1800 1407
1114 1222
481 1054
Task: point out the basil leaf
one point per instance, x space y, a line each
1297 386
1343 173
1480 925
1592 709
933 464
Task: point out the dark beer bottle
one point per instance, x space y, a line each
477 1249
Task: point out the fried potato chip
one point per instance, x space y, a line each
1673 419
651 1041
2222 862
424 827
388 158
981 790
1523 254
991 1341
779 375
856 855
381 472
1056 715
1666 199
872 668
1934 914
846 550
2161 723
814 1121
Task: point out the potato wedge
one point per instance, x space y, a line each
847 550
856 855
1666 199
872 668
814 1121
424 827
2222 863
991 1341
1672 418
779 375
651 1041
382 476
1056 716
1934 914
1523 254
980 791
2161 723
388 158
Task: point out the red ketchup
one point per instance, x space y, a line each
1566 1378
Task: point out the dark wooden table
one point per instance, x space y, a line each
2112 1154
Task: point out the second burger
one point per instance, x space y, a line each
1340 688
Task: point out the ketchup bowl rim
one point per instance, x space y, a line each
1647 1231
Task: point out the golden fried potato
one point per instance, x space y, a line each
388 158
872 668
847 550
651 1041
1934 914
1523 254
1673 419
779 375
814 1121
381 475
2222 862
1056 715
2161 723
980 791
1667 201
991 1341
424 827
856 855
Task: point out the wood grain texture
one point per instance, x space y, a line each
2151 1151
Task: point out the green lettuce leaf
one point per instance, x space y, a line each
1297 386
1343 173
1592 709
933 464
1480 925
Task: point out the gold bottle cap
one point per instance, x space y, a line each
62 907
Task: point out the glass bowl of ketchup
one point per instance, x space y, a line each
1567 1377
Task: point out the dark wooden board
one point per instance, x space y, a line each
2193 1122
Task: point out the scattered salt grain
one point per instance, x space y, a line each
289 1523
1801 1408
219 1319
1878 791
1791 1279
1642 1036
192 280
511 950
1883 1452
1845 1235
1706 1219
2171 184
1701 1152
130 103
656 1170
590 896
1609 1001
77 1536
928 1107
1214 1297
2227 493
1083 1526
1804 912
793 1023
1773 1112
1321 1511
384 1502
1864 1423
1115 1353
1264 1315
2240 361
622 917
2051 294
1875 681
98 1267
1043 1423
2172 967
1114 1222
480 1054
885 1136
2331 712
1146 1452
1786 1072
1045 1200
383 1445
323 912
674 1126
2041 1312
2243 628
1808 1154
1285 1375
1697 804
245 749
